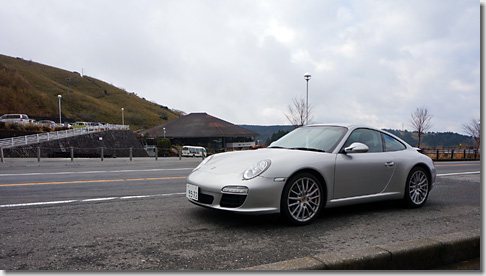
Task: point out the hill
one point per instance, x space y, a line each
435 139
31 88
429 140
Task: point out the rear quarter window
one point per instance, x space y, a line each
392 144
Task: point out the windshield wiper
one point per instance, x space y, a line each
309 149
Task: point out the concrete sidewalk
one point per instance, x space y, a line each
422 254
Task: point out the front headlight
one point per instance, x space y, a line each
204 162
256 169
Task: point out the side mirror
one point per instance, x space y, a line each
356 148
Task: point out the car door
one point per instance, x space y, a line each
358 174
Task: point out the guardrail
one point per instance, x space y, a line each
50 136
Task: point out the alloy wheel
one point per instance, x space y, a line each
418 188
304 199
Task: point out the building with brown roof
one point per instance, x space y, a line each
202 129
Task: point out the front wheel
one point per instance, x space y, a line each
417 188
302 199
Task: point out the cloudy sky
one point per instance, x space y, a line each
371 62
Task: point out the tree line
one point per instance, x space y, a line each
299 114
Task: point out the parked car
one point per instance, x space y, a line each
80 124
15 119
47 123
312 168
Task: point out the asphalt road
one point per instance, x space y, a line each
122 215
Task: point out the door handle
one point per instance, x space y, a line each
389 164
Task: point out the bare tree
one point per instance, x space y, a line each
474 129
298 115
421 121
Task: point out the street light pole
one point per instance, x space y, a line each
123 116
59 97
307 77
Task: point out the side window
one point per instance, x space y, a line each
368 137
393 144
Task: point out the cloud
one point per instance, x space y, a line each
243 61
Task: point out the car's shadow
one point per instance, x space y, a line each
233 219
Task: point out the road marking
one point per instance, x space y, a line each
94 172
37 203
98 199
86 200
91 181
456 164
461 173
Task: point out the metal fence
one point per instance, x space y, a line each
50 136
96 152
452 153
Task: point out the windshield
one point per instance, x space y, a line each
315 138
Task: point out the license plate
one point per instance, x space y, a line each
192 192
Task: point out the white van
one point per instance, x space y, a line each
15 119
192 151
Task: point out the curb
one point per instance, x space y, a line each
421 254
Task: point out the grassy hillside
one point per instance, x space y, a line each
31 88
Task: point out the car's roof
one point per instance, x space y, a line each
347 125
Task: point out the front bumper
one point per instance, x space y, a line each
263 195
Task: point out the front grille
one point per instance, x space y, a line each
206 199
232 201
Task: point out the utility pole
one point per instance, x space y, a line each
69 82
59 97
307 77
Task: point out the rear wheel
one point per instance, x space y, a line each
302 199
417 188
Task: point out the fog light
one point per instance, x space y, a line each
239 190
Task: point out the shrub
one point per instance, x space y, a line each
164 146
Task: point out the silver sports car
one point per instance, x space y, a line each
312 168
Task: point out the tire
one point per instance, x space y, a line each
417 188
302 199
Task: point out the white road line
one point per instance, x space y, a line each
85 200
37 203
94 172
99 199
461 173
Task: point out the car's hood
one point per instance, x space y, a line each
281 159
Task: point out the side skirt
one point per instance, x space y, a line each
363 199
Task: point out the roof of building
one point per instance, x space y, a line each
198 125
